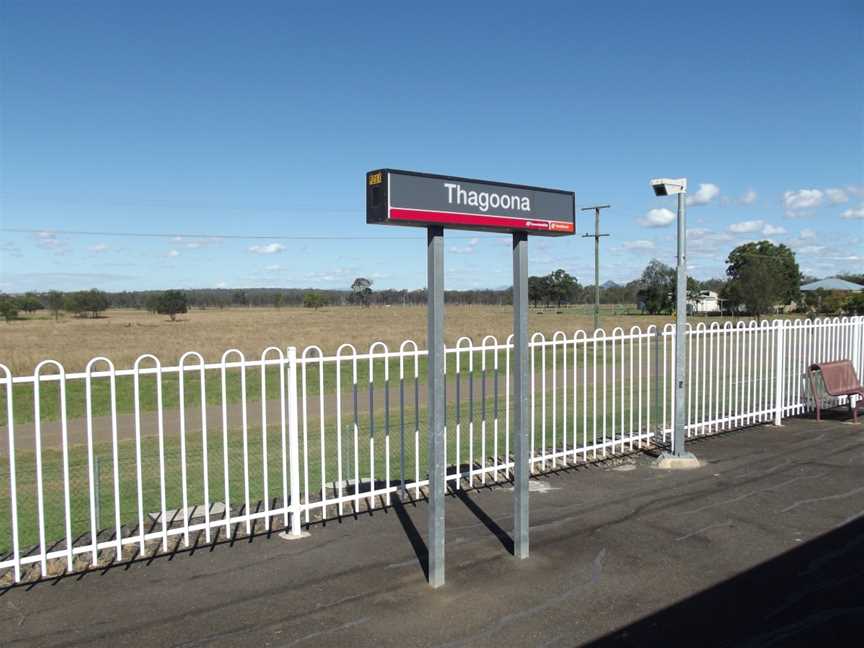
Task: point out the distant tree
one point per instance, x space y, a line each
54 302
86 301
238 298
313 300
8 308
172 303
561 287
75 303
854 304
834 302
657 285
361 290
97 301
29 303
151 302
277 300
538 290
763 275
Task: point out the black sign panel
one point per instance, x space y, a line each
421 199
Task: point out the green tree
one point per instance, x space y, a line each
54 302
538 289
762 275
657 286
172 303
278 298
151 302
8 308
834 302
361 290
87 301
29 303
854 304
562 287
313 300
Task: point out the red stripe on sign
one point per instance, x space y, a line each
459 218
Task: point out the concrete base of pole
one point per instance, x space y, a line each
684 461
287 535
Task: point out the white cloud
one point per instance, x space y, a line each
751 226
173 253
50 241
269 248
704 195
638 245
99 247
853 213
221 284
748 198
746 227
660 217
810 249
836 196
770 229
802 199
807 233
10 249
466 249
855 190
273 267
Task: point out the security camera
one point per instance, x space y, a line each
669 186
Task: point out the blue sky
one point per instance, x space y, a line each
219 120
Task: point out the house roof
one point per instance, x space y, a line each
832 283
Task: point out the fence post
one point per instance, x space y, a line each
658 349
97 478
779 371
857 344
293 443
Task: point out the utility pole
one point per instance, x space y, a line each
596 236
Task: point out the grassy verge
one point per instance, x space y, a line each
257 383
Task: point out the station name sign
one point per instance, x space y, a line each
421 199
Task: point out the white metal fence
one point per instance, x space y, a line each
108 462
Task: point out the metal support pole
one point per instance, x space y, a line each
435 337
680 328
520 442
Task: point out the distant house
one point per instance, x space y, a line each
831 284
708 301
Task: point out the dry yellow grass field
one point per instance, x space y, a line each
123 335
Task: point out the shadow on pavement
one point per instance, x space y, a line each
811 594
487 521
417 543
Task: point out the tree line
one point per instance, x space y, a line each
760 277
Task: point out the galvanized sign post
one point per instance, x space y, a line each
435 202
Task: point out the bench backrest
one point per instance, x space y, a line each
839 377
